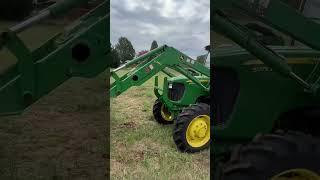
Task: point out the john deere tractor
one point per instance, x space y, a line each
266 101
183 98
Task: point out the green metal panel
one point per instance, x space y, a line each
192 91
273 80
278 15
262 87
62 7
40 71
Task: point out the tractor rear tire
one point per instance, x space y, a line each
158 115
268 156
191 132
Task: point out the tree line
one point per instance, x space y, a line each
124 51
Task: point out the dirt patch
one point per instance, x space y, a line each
63 136
128 125
117 167
127 154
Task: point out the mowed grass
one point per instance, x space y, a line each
143 149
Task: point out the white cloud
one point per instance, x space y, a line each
168 9
183 24
206 17
149 29
136 4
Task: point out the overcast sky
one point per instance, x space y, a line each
183 24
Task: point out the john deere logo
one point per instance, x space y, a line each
181 58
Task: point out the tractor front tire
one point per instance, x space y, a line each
278 156
192 128
161 114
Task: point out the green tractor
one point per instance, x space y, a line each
183 98
190 111
266 99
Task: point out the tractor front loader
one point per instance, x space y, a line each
183 99
266 93
81 49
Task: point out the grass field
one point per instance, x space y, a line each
144 149
62 136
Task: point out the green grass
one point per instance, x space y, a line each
144 149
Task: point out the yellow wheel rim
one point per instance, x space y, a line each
198 131
297 174
165 113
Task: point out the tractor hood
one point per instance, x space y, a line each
183 79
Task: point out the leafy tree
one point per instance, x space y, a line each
154 45
125 49
114 57
202 59
15 9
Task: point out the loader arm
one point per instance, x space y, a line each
153 62
276 14
80 50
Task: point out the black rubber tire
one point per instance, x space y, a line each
157 113
181 124
271 154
